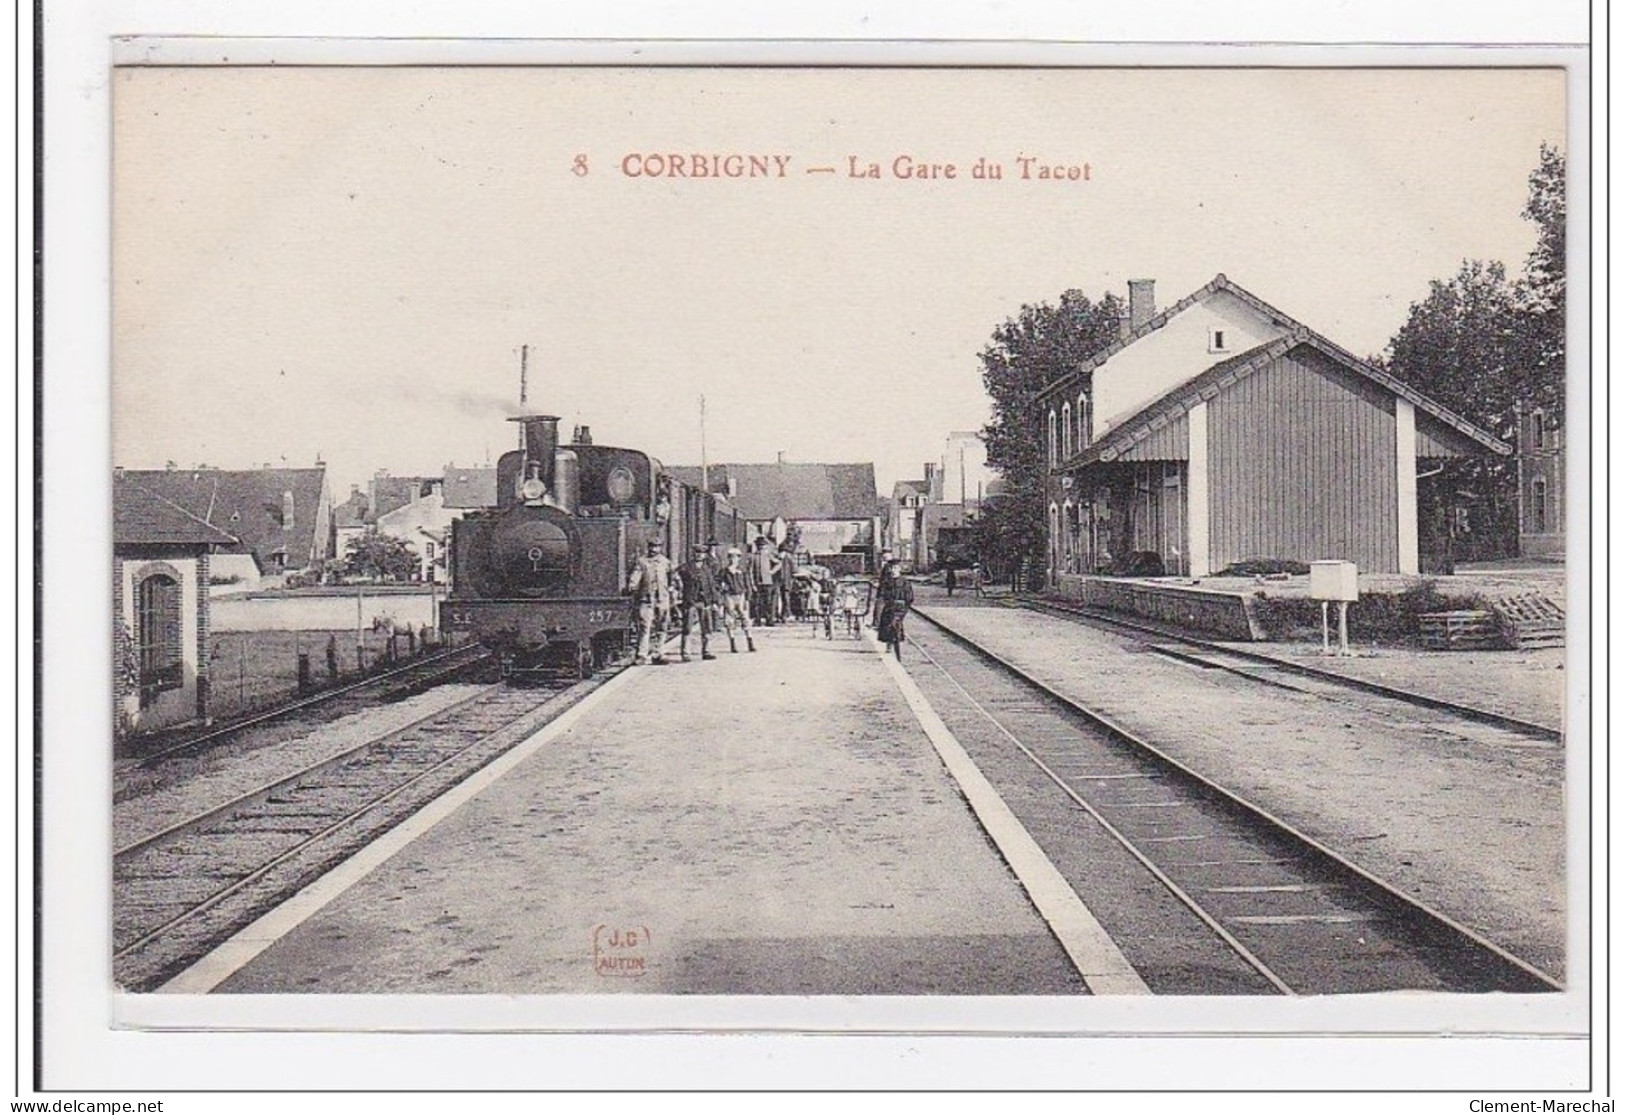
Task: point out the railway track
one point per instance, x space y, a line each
1271 670
328 703
1289 914
179 891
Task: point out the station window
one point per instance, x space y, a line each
1217 341
1538 512
1537 430
158 628
1066 431
1085 420
1052 439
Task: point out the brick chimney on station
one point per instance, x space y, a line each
1142 302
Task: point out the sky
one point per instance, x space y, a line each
345 262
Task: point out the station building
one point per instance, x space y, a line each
1221 430
161 555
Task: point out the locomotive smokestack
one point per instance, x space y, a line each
541 437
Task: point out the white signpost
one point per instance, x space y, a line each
1334 581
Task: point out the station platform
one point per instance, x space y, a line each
771 823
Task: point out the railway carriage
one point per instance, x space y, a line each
541 578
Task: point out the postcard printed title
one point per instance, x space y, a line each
724 166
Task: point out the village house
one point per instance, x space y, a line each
1221 430
417 510
161 569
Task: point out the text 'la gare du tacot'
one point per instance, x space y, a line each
1031 168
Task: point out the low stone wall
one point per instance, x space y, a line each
326 611
1226 614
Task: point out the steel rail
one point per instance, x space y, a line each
1422 915
260 793
1466 712
1179 892
474 651
287 854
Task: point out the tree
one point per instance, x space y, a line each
380 556
1028 353
1461 347
1488 348
1543 291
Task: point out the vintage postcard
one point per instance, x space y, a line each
1034 549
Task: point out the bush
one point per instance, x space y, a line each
1264 567
1376 617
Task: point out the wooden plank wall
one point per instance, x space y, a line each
1301 465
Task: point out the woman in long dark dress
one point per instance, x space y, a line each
896 596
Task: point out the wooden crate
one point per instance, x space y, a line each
1463 630
1532 619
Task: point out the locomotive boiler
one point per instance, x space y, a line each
542 578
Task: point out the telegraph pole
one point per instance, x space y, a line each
705 467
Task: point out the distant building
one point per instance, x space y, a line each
965 473
350 519
418 510
161 554
934 518
1541 498
835 507
902 525
282 516
1221 430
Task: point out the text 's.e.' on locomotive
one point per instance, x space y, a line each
541 578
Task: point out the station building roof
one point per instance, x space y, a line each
145 518
253 506
1159 413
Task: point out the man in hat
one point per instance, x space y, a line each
733 582
699 595
650 586
767 565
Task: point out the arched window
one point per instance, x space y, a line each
1537 430
1052 441
158 631
1066 431
1054 537
1084 421
1069 551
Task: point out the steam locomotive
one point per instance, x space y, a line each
541 579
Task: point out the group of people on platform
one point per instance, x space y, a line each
734 593
701 592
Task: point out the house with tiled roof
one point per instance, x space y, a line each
282 516
161 570
836 506
469 488
1221 430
